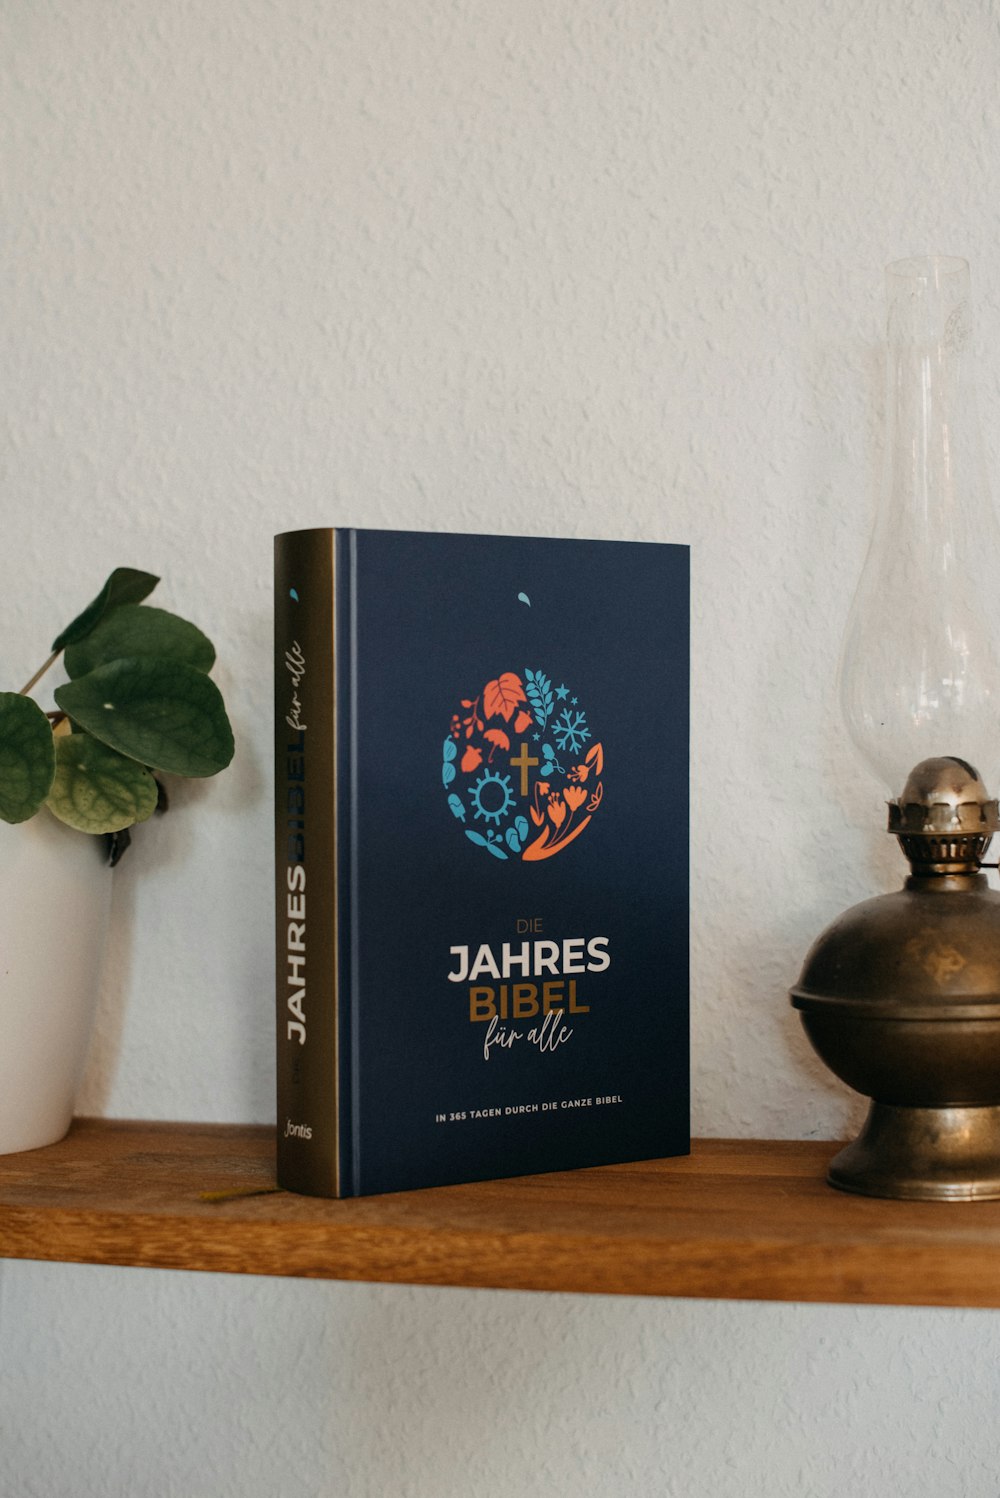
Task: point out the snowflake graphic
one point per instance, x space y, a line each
571 731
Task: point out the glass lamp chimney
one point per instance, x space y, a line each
920 668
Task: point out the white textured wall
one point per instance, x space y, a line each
603 269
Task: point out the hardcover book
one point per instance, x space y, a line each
481 835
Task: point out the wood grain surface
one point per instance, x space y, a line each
736 1219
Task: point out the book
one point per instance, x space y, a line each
481 856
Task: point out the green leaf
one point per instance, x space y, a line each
27 757
97 790
125 585
138 629
165 714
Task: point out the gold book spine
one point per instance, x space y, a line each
309 1145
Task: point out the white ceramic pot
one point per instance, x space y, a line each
55 901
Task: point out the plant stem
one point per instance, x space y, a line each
39 673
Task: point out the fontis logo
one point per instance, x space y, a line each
521 766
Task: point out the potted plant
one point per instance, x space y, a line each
139 704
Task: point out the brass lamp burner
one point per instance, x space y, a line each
900 997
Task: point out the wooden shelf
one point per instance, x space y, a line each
736 1219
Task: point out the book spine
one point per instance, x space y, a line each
348 883
311 1143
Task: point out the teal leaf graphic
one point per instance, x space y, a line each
476 837
496 850
523 598
125 585
448 769
539 692
165 714
97 790
137 629
27 757
549 762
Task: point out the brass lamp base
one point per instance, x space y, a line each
923 1154
901 998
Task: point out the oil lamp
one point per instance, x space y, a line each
900 997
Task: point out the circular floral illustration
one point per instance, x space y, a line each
521 766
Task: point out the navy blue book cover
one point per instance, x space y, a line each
482 856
